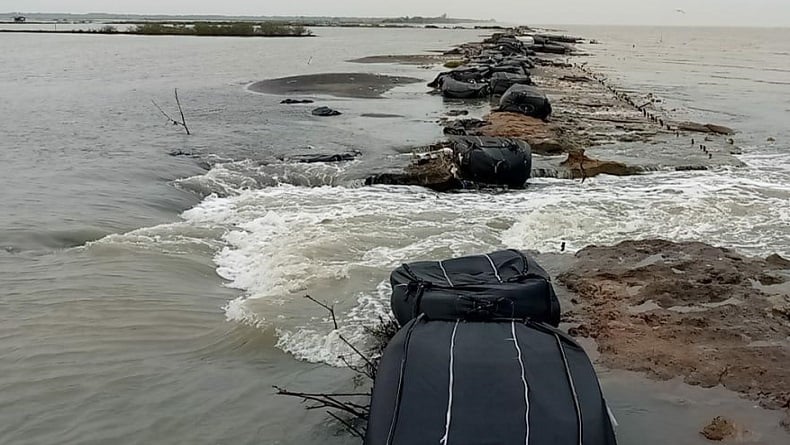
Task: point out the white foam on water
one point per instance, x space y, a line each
173 238
314 345
281 243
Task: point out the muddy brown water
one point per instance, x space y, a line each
155 298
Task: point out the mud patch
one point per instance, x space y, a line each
353 85
702 315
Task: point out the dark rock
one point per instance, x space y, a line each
454 113
296 101
778 261
325 112
464 127
310 159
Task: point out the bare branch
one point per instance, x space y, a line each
349 427
181 110
175 122
329 401
331 309
359 353
182 122
364 371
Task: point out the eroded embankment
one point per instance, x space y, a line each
705 313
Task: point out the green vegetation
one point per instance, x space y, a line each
228 29
454 63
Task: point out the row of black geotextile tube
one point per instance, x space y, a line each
501 69
479 360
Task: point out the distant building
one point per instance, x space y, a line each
20 19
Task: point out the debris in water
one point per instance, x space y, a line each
719 429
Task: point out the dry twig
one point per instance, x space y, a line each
182 122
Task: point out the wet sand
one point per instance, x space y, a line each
351 85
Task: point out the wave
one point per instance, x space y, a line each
281 243
229 178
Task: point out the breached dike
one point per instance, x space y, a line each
463 163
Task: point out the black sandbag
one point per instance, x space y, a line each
469 383
550 48
471 74
504 284
493 161
456 89
524 61
501 82
464 127
526 100
512 68
477 73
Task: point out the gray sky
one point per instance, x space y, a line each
651 12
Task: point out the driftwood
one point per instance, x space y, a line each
182 122
355 406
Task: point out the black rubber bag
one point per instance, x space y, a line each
456 89
502 81
472 383
471 74
526 99
493 161
512 68
500 285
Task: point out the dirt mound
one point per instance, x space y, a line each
688 309
540 135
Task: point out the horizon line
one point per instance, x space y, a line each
469 20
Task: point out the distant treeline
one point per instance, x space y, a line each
234 29
417 20
230 29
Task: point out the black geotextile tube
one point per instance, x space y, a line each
527 100
504 284
456 89
472 383
493 161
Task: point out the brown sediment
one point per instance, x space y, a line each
578 165
543 137
719 429
705 313
354 85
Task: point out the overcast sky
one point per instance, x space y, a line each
655 12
